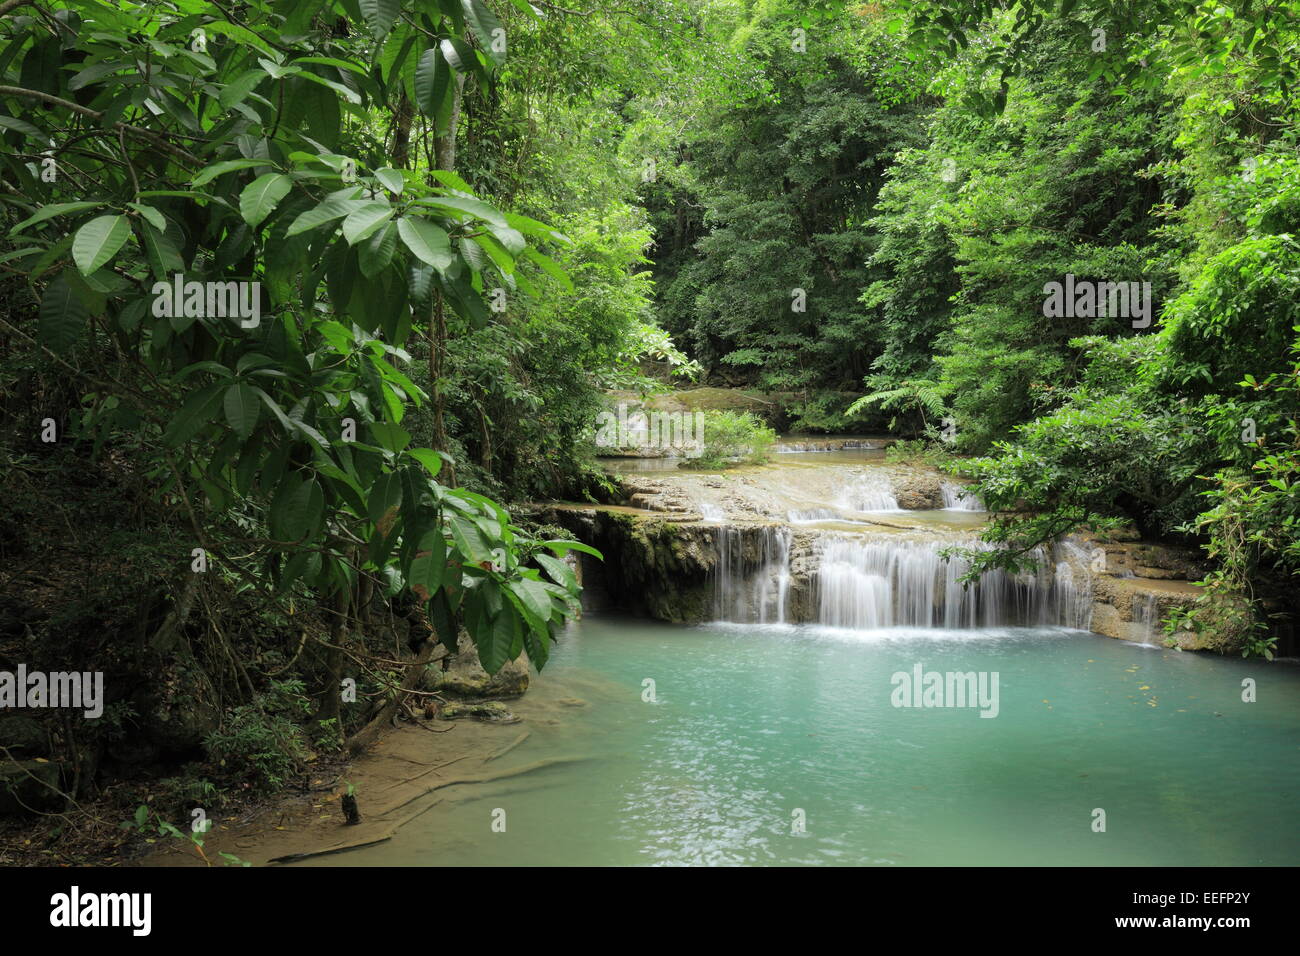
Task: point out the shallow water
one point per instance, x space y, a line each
779 459
753 724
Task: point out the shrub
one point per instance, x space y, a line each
732 437
261 744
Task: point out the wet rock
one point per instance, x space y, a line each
24 736
465 676
492 710
25 786
916 489
1163 574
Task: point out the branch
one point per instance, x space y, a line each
149 135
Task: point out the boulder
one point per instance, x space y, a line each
25 786
24 736
465 676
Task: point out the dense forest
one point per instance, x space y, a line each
298 301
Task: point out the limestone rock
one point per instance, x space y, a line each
492 710
465 676
24 736
25 786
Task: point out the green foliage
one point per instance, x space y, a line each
763 283
264 165
920 451
730 438
146 819
263 744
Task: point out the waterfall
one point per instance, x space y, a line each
811 515
868 494
956 498
753 588
711 512
887 582
1146 618
1074 587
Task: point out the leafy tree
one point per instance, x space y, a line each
154 145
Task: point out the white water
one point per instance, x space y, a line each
711 512
866 583
956 498
752 589
868 494
1146 619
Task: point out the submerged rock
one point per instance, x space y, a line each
492 710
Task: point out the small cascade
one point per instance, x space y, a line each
711 512
1073 586
811 515
752 578
868 494
888 582
1146 618
956 498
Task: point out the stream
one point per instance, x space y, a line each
779 733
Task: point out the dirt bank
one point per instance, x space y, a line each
414 770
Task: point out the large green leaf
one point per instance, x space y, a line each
534 596
194 414
430 459
296 509
495 636
98 241
226 166
469 539
63 316
365 220
458 54
262 195
335 207
242 406
432 80
375 253
391 179
163 256
380 15
429 565
427 242
484 25
385 495
54 209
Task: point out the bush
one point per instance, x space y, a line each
733 438
261 744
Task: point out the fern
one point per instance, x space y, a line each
912 395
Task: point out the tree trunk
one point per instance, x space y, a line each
445 150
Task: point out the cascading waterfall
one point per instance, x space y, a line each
880 580
1074 586
868 582
886 582
868 494
956 498
811 515
756 589
711 512
1146 618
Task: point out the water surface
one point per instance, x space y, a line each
754 726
